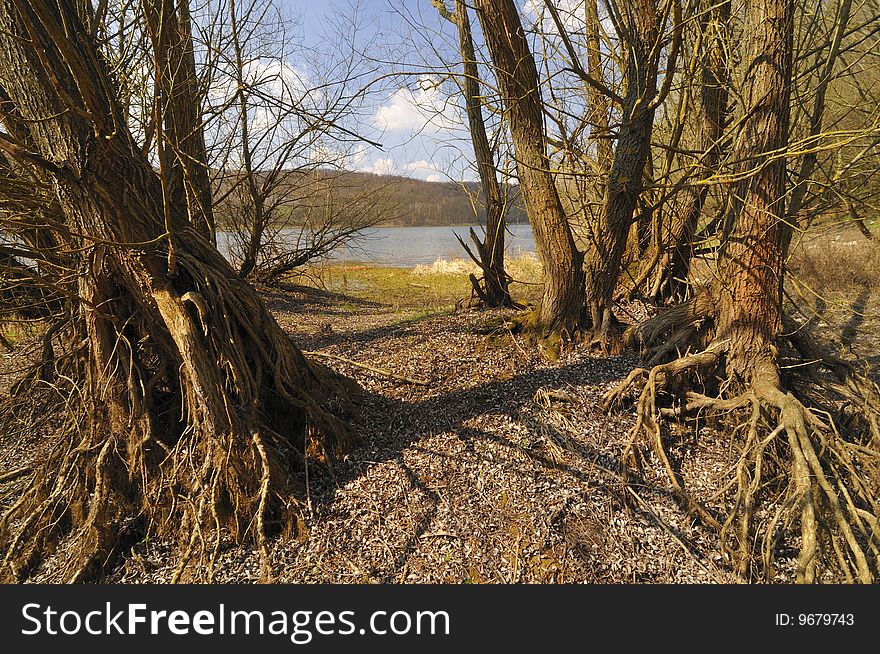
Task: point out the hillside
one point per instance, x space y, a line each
384 199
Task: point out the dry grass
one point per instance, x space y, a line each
838 263
834 284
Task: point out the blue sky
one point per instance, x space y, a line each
413 107
416 116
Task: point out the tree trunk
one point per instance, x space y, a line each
608 240
671 281
254 206
495 292
751 259
822 472
194 405
561 309
599 104
183 155
817 115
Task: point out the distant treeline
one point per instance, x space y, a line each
372 199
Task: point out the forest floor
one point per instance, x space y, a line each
502 468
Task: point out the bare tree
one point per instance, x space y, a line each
670 277
188 406
790 419
490 250
561 312
280 134
640 27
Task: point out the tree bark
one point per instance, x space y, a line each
495 291
561 308
608 240
194 405
599 103
183 154
671 280
751 259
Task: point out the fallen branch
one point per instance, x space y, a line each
15 474
378 371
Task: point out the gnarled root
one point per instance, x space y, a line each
800 459
187 416
552 339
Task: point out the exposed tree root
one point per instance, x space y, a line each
562 335
807 449
188 422
552 340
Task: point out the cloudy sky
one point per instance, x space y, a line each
416 117
412 108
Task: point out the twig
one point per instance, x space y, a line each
15 474
378 371
660 522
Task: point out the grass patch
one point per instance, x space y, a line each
839 263
432 288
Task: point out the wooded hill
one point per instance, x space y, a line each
388 200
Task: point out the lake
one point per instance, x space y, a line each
406 247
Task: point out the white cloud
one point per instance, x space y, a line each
426 108
570 13
381 166
421 168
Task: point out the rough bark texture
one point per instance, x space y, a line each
192 407
561 307
183 153
751 258
494 291
608 240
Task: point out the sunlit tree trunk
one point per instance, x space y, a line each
194 406
751 260
561 307
493 289
607 240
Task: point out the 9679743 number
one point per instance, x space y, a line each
815 619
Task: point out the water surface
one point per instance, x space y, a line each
406 247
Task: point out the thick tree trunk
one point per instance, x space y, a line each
191 391
751 260
561 307
184 158
822 477
608 241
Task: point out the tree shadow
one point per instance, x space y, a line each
393 426
295 298
857 308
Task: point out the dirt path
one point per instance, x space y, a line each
466 481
